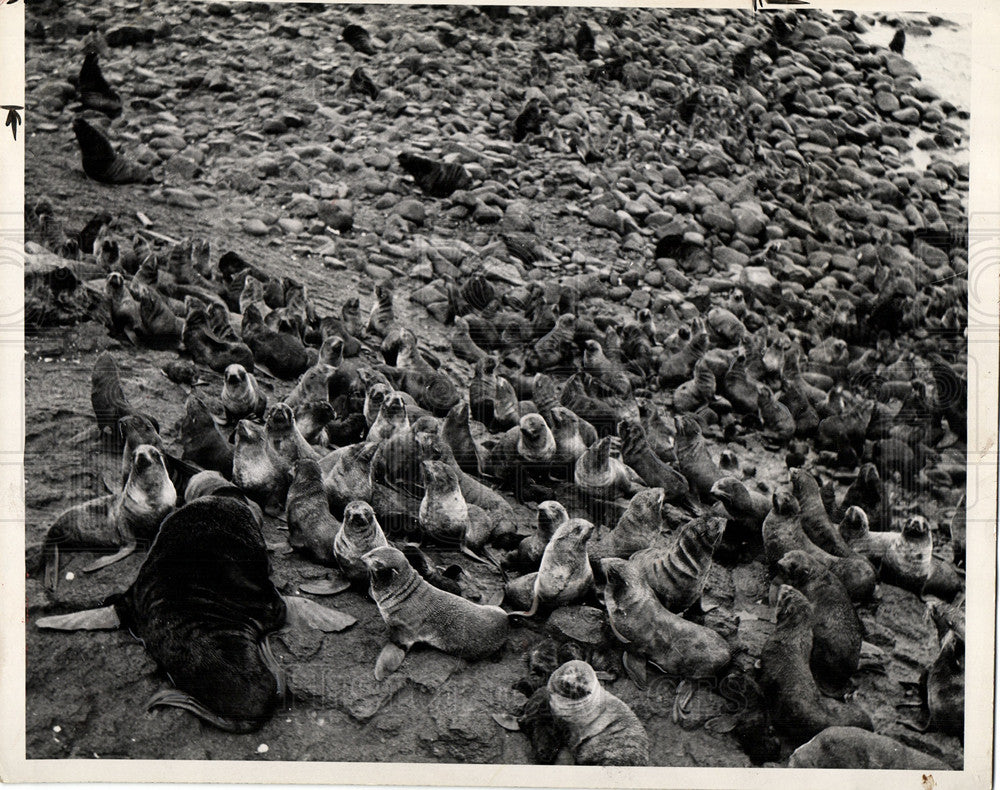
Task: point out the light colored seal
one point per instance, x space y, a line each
601 729
391 419
241 395
417 612
123 521
601 472
564 574
858 749
359 534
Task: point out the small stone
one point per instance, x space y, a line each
485 214
886 101
639 299
274 126
619 293
654 278
411 209
338 214
719 216
255 227
603 217
291 225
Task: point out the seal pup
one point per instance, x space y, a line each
209 350
837 629
782 533
444 513
161 326
284 436
601 729
564 573
257 467
693 459
200 437
124 308
311 527
600 472
943 683
651 632
551 515
350 475
208 631
241 395
573 436
639 456
417 612
858 749
281 353
678 573
523 453
101 162
813 516
799 710
747 509
359 533
122 521
108 397
643 524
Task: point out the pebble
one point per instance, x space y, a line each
603 217
291 225
411 209
338 214
255 227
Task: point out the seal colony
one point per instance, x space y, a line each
708 473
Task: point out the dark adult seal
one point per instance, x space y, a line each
206 623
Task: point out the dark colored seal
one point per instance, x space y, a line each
102 163
208 631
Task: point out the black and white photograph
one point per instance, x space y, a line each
538 385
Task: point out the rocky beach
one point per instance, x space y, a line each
796 192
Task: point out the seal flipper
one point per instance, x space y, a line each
178 699
303 613
103 562
335 583
635 668
103 619
389 660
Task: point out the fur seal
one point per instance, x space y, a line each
837 629
314 418
551 516
858 749
573 436
102 163
813 516
457 433
435 179
693 459
349 476
202 442
284 437
782 533
210 483
416 612
600 472
208 631
95 92
638 455
114 522
747 509
359 534
392 418
564 573
601 729
522 453
241 395
799 711
678 573
642 524
654 633
209 350
280 352
108 397
311 527
944 682
257 467
123 307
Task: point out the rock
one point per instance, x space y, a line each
486 214
719 217
603 217
582 624
886 101
274 126
759 282
639 299
291 225
748 222
411 209
255 227
338 214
